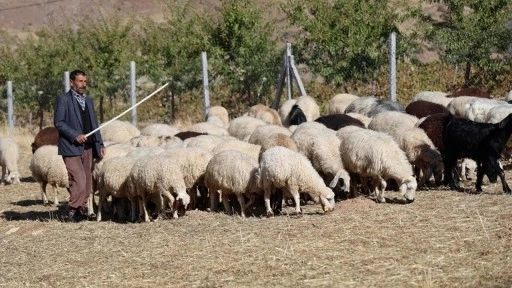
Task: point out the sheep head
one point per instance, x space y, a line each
408 188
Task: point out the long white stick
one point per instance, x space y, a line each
126 111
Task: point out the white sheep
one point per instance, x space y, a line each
437 97
262 132
159 129
339 102
152 141
277 139
459 105
112 180
119 131
264 113
155 178
232 172
9 157
309 106
217 115
192 162
209 128
48 167
391 121
237 145
321 146
365 119
375 155
243 126
206 142
478 110
281 168
361 105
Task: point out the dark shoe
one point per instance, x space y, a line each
86 215
74 215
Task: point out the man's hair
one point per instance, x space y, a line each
74 73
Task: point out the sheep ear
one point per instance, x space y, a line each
335 180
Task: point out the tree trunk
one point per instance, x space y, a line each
101 109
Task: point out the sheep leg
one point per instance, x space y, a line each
142 208
133 203
380 187
252 198
296 197
43 193
55 193
225 201
479 179
101 200
449 165
241 201
214 199
267 192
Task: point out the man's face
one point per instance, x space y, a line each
79 84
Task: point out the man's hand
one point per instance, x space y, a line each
81 138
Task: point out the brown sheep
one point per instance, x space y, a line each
470 91
422 108
47 136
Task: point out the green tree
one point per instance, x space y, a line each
248 54
346 40
473 33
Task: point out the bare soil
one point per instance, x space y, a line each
443 239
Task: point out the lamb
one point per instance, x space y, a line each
338 121
482 142
192 163
232 172
218 114
424 108
321 146
47 167
112 180
47 136
119 131
437 97
154 177
264 113
159 129
243 126
339 103
281 168
375 155
9 157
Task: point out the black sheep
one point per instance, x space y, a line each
296 115
338 121
482 142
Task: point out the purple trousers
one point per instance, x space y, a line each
80 178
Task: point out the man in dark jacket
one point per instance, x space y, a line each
74 118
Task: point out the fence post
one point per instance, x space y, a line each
133 95
10 107
392 66
288 69
66 81
206 92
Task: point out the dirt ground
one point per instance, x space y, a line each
443 239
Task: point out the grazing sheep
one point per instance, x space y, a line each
209 128
119 131
47 167
338 121
262 132
437 97
478 110
392 121
112 180
277 139
339 103
376 156
371 106
237 145
281 168
321 146
243 126
192 163
364 119
482 142
206 142
459 105
424 108
155 178
159 129
264 113
232 172
309 106
152 141
9 157
284 111
218 113
433 126
296 116
47 136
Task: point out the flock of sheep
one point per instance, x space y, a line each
364 145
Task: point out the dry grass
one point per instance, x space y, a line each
443 239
